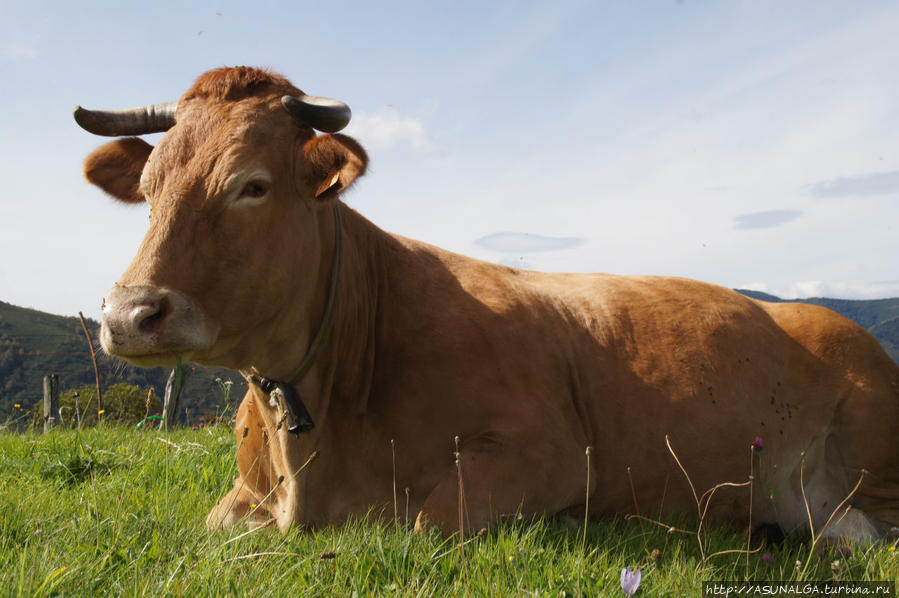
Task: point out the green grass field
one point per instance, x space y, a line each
118 511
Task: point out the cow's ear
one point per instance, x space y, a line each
330 164
116 168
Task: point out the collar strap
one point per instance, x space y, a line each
284 394
324 329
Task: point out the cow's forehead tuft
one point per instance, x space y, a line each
237 83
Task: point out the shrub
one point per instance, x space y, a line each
122 403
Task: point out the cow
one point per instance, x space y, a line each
381 365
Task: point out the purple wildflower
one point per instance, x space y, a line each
630 581
768 558
844 551
757 444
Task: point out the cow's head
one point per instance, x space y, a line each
241 232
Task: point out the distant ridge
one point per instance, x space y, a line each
760 296
34 343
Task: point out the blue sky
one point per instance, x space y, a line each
749 144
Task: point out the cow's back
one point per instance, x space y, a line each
713 370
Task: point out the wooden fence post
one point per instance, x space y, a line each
51 401
77 409
90 344
172 396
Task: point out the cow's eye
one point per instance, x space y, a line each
254 189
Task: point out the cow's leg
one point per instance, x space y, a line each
824 478
861 445
247 501
867 435
497 483
239 506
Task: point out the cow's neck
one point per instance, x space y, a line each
346 367
326 324
337 349
284 392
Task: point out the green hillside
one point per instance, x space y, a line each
34 344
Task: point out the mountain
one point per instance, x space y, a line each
34 344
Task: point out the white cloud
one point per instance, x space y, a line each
805 289
844 290
769 219
529 251
19 51
526 242
386 128
878 183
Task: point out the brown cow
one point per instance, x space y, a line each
253 262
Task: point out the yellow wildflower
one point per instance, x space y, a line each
101 412
17 406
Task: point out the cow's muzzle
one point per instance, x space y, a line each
150 326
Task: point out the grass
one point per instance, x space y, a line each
117 511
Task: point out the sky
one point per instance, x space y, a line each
747 144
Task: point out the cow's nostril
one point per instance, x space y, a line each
150 317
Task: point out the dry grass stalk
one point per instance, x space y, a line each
702 506
407 506
588 452
630 480
249 531
458 456
817 538
749 527
393 459
261 554
703 501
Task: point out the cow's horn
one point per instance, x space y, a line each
323 114
136 121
